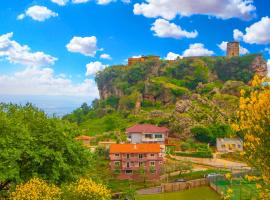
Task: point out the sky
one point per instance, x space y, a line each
50 50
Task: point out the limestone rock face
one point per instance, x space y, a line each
259 66
182 106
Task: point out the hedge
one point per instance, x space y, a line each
198 154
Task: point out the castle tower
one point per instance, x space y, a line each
232 49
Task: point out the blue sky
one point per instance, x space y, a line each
53 48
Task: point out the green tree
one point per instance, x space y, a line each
33 144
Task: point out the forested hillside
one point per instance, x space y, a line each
190 95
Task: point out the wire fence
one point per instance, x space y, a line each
241 188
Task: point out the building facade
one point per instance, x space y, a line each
132 61
147 133
227 145
132 161
232 49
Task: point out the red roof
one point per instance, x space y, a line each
135 148
146 128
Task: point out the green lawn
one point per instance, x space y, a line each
201 193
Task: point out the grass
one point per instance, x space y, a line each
201 193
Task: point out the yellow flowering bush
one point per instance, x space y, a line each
254 124
36 189
87 189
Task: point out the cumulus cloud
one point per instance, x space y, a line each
21 54
197 49
84 45
79 1
93 67
43 81
258 33
38 13
60 2
169 9
172 56
164 29
223 47
105 56
237 35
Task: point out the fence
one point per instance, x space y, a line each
241 189
173 187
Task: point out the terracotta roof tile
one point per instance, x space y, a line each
146 128
135 148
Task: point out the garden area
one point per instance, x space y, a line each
201 193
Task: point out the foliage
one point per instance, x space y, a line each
33 144
211 133
36 189
85 189
235 68
253 123
197 154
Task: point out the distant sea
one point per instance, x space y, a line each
52 105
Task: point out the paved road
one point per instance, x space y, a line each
213 162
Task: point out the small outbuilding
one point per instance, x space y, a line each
229 144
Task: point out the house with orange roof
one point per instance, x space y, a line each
129 160
147 133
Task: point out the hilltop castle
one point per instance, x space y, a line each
232 49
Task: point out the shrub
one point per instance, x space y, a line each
198 154
86 189
36 189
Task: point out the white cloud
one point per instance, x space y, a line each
21 17
60 2
93 67
165 29
21 54
79 1
267 50
197 49
38 13
169 9
84 45
223 47
258 33
172 56
104 2
36 81
237 35
105 56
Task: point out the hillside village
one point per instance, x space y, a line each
152 147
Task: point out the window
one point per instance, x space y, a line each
128 171
141 164
223 146
140 156
158 136
152 155
152 163
128 155
153 171
239 146
132 164
129 136
117 163
117 155
148 136
128 165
